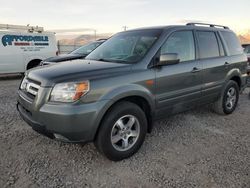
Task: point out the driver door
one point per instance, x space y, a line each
178 86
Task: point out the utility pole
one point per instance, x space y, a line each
95 34
125 28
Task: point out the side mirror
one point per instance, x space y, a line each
168 59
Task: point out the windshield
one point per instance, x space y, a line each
86 49
127 47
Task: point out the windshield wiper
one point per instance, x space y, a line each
102 59
112 60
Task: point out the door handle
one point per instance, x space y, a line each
195 69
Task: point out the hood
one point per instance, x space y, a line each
66 57
75 71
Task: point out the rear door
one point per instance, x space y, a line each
178 86
214 63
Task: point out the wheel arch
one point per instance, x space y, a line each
237 80
140 98
235 75
33 63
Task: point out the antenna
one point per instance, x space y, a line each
95 34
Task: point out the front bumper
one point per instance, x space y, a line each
66 122
35 125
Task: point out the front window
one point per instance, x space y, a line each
181 43
127 47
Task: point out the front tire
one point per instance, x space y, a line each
122 131
228 100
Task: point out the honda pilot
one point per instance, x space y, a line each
136 77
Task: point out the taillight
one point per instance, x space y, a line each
248 60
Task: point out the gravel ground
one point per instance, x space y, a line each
193 149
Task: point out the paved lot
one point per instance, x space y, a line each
193 149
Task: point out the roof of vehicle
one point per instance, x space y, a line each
101 40
93 42
189 25
24 29
96 41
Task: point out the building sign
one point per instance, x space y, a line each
25 40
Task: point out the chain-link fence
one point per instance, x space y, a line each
65 49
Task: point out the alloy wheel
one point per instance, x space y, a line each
125 133
231 98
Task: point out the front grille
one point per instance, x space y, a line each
30 88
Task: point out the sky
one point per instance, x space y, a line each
109 16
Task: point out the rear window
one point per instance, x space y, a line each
208 44
232 42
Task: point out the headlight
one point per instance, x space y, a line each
69 92
24 84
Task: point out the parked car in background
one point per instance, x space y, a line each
137 76
247 51
246 48
24 47
79 53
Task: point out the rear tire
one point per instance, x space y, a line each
122 131
228 100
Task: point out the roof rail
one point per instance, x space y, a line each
210 25
20 27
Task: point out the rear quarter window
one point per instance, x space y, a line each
232 42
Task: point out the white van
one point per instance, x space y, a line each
24 47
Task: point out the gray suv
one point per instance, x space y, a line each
137 76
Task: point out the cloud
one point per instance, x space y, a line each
111 15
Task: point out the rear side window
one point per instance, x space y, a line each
232 42
182 43
208 44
